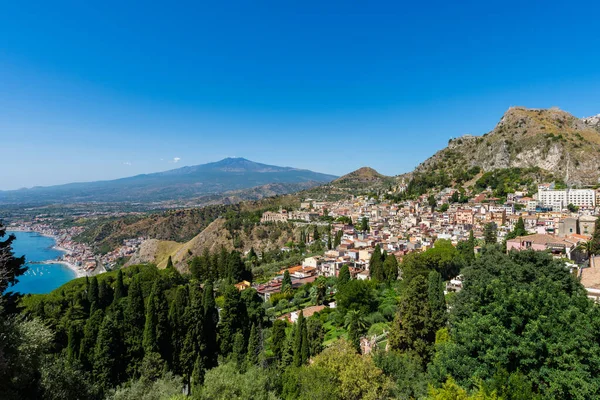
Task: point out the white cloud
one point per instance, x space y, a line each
127 163
176 159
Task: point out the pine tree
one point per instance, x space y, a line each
437 301
344 275
254 347
119 287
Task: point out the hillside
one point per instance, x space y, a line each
550 139
230 174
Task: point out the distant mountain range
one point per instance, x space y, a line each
230 174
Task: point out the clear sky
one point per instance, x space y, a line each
100 90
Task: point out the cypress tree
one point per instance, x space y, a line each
233 318
108 351
376 264
11 268
93 291
299 341
72 343
286 282
135 317
390 268
239 351
489 233
278 338
411 330
198 374
105 296
156 330
344 275
254 345
437 302
119 287
178 323
90 333
304 350
316 235
211 320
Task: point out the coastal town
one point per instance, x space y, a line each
79 256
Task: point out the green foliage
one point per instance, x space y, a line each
11 268
406 370
344 275
489 233
522 312
226 382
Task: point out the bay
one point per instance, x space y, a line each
39 278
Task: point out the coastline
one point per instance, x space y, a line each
79 272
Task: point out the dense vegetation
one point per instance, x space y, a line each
521 328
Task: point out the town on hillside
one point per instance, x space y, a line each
559 221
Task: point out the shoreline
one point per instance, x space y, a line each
79 272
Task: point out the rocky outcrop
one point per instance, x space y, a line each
551 139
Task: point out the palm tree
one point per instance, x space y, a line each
587 247
357 325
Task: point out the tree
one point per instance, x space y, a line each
170 263
90 333
355 295
364 224
437 302
315 334
107 368
376 270
320 286
119 287
357 326
233 319
572 208
467 248
432 202
73 343
239 351
178 321
156 330
455 197
254 345
511 315
278 338
198 374
11 268
390 268
300 341
211 320
596 237
286 282
134 321
489 233
316 235
351 375
93 291
344 275
412 329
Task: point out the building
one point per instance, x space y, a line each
559 247
562 198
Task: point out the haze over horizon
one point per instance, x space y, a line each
92 92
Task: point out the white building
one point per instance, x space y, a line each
578 197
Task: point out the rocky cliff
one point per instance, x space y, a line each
551 139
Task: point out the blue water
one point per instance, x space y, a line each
39 278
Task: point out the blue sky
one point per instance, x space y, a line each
109 90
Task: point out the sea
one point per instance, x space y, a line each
39 278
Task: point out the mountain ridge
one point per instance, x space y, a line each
230 174
551 139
